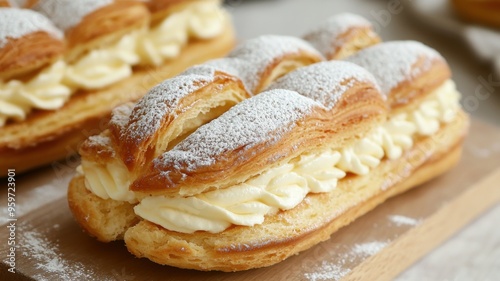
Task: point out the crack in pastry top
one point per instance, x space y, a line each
263 118
68 13
256 54
327 34
324 82
16 23
160 101
232 66
393 62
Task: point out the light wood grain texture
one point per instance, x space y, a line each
377 246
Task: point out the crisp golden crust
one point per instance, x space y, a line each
283 65
241 248
342 35
23 55
483 12
23 145
410 93
104 26
353 40
215 95
357 110
407 71
356 39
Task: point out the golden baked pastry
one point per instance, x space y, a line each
275 172
485 12
96 55
342 35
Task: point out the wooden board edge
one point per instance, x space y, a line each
420 240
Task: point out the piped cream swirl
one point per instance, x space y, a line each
103 67
280 188
44 91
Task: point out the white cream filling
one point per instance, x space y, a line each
103 67
45 91
283 187
202 20
100 68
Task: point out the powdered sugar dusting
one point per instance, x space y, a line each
258 53
42 194
370 248
103 142
161 101
121 115
37 246
327 271
392 62
16 23
325 37
68 13
324 82
402 220
262 118
334 264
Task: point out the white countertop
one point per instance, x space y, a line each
473 253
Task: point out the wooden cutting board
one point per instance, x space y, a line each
378 245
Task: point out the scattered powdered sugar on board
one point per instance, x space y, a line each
35 245
264 118
370 248
15 23
393 62
42 195
334 264
68 13
402 220
260 52
324 82
327 271
160 102
325 37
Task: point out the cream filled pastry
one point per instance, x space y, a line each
259 153
91 48
134 128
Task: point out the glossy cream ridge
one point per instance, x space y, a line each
282 187
52 87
